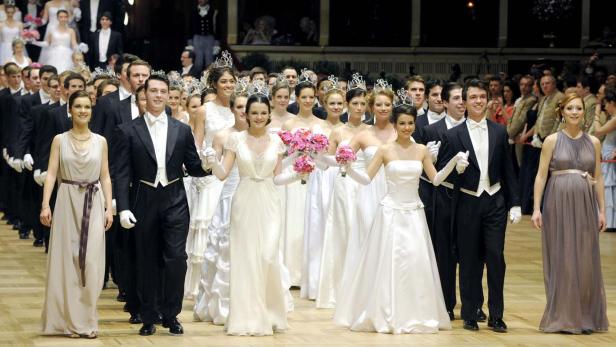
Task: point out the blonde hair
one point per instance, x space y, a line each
563 103
385 92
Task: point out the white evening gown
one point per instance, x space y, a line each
257 298
52 24
205 192
396 286
59 52
341 222
7 35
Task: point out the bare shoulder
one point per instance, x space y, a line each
420 147
595 141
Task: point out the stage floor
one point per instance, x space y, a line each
22 286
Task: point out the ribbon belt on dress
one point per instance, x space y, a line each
584 174
91 188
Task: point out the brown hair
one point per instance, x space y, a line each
563 103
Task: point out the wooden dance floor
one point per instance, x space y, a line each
22 286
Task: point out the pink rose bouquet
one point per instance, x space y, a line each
344 155
303 165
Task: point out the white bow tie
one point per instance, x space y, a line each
481 125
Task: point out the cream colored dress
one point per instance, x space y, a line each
70 306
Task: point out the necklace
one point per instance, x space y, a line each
78 139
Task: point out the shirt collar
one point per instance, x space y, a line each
124 93
105 31
452 121
14 91
161 118
483 124
435 116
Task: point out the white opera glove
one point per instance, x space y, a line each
328 159
28 161
290 159
17 165
37 176
318 162
286 177
40 43
127 219
433 148
536 142
114 207
76 13
444 172
515 214
208 157
462 163
43 177
217 168
360 177
5 154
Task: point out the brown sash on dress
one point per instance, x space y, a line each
85 222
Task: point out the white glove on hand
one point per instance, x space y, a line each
114 208
536 142
209 154
37 176
43 178
515 214
17 165
511 142
127 219
433 148
5 154
28 161
462 163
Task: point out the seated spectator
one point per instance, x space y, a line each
262 32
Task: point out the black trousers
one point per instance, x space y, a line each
160 240
425 194
18 199
126 254
481 223
528 172
444 244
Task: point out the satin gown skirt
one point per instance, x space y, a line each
292 238
396 286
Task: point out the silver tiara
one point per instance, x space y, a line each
225 60
357 82
193 87
403 98
305 76
281 79
158 73
203 79
175 79
99 72
381 84
241 87
258 87
334 85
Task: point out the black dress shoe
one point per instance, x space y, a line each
147 330
24 235
587 331
175 328
497 325
471 325
481 316
451 316
121 297
38 243
135 319
159 319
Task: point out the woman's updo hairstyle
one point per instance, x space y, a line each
215 73
400 110
304 85
563 103
353 93
280 84
258 99
385 92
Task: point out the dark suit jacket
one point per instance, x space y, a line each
115 47
115 7
54 121
500 166
135 158
10 122
25 142
420 123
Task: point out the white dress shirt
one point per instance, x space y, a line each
44 97
478 132
434 117
186 70
103 44
451 122
134 110
93 14
123 93
157 127
203 10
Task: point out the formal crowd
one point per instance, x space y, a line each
188 186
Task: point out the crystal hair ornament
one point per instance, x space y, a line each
333 85
175 79
241 87
258 88
158 73
381 84
305 76
105 73
194 87
403 98
225 60
357 82
281 79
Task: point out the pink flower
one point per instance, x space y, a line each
319 143
31 34
303 165
345 154
285 136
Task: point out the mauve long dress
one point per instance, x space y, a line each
571 261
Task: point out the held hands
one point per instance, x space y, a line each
461 162
210 157
537 219
433 148
28 161
536 142
515 214
127 219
